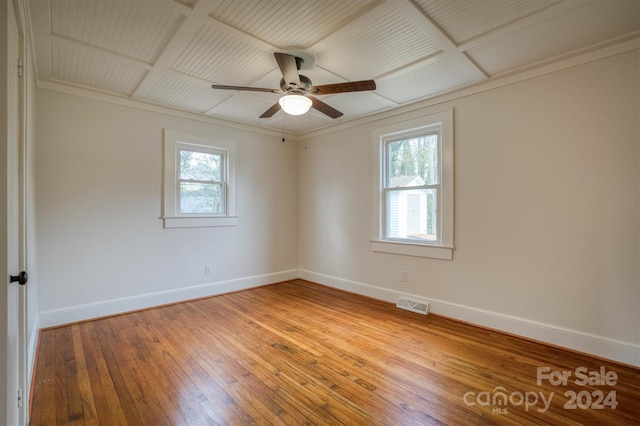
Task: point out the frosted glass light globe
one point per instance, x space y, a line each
295 104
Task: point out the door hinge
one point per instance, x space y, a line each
20 68
19 398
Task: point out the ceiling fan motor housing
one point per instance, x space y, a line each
305 83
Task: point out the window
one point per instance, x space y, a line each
199 181
413 187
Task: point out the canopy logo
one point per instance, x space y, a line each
499 399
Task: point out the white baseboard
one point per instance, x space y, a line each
599 346
117 306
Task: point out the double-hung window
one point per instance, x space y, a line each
199 181
413 187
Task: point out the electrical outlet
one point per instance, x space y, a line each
208 269
403 276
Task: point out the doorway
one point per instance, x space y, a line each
13 229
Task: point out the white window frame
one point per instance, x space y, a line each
442 123
171 215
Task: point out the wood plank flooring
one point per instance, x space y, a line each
298 353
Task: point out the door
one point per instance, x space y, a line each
23 260
13 299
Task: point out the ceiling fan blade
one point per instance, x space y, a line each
248 89
351 86
269 113
325 108
289 68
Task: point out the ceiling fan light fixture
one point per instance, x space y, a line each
295 104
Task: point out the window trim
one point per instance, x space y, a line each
171 215
380 136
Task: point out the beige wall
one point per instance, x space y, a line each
100 239
546 209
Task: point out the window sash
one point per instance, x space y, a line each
387 189
184 201
222 184
409 223
387 142
183 147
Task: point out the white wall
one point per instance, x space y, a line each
546 211
101 245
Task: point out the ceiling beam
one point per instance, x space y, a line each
421 20
113 56
184 34
520 24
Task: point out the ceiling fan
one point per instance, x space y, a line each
297 89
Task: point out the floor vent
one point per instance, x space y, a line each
412 304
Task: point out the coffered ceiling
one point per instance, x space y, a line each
169 52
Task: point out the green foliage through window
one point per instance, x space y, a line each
414 157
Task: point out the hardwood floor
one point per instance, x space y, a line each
299 353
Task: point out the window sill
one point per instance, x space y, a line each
199 222
417 250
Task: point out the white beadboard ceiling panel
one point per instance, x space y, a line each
382 44
138 29
289 24
359 103
174 91
464 20
243 107
73 64
424 81
170 52
220 58
559 35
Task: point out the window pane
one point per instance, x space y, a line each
200 165
413 162
200 198
412 214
